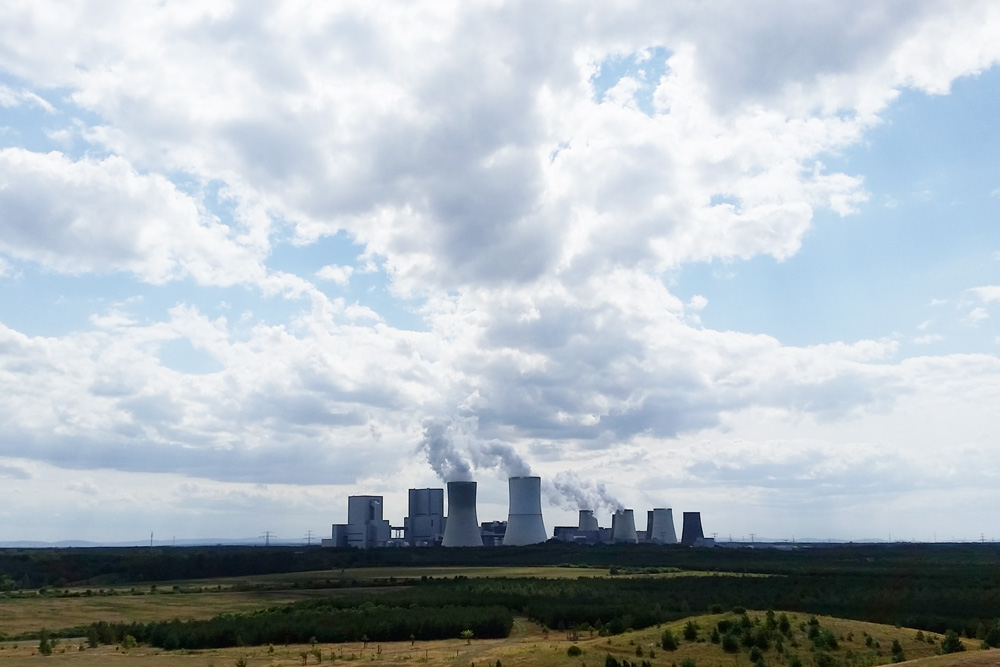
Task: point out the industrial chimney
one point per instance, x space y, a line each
623 527
587 520
691 532
660 526
524 522
462 526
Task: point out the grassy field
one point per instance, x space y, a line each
30 614
527 646
209 597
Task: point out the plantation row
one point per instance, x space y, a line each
296 625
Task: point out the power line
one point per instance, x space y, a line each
267 537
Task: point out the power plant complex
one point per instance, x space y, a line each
426 524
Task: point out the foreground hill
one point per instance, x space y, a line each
857 643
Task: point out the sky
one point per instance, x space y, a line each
740 258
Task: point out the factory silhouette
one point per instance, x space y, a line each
426 524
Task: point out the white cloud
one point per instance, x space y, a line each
975 316
340 275
90 215
988 293
15 98
697 302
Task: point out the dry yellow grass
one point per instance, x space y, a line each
19 615
527 646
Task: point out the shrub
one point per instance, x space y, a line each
951 643
992 637
730 644
574 651
668 641
44 645
824 659
691 631
687 662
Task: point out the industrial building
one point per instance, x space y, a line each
691 533
365 527
623 527
524 520
462 527
660 526
424 524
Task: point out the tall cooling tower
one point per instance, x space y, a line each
660 526
623 527
462 528
524 522
587 520
692 529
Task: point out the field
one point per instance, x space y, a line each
849 607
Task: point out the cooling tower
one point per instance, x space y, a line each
587 520
524 522
462 527
691 532
623 527
660 526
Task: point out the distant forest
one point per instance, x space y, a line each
36 568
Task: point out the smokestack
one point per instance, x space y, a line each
587 520
691 532
623 527
462 527
524 522
660 526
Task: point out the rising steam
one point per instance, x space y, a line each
570 492
453 452
439 447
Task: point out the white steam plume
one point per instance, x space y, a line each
570 492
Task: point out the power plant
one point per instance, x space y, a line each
524 522
462 527
426 524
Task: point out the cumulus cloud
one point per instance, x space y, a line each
491 162
337 274
99 215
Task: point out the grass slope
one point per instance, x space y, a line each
530 645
